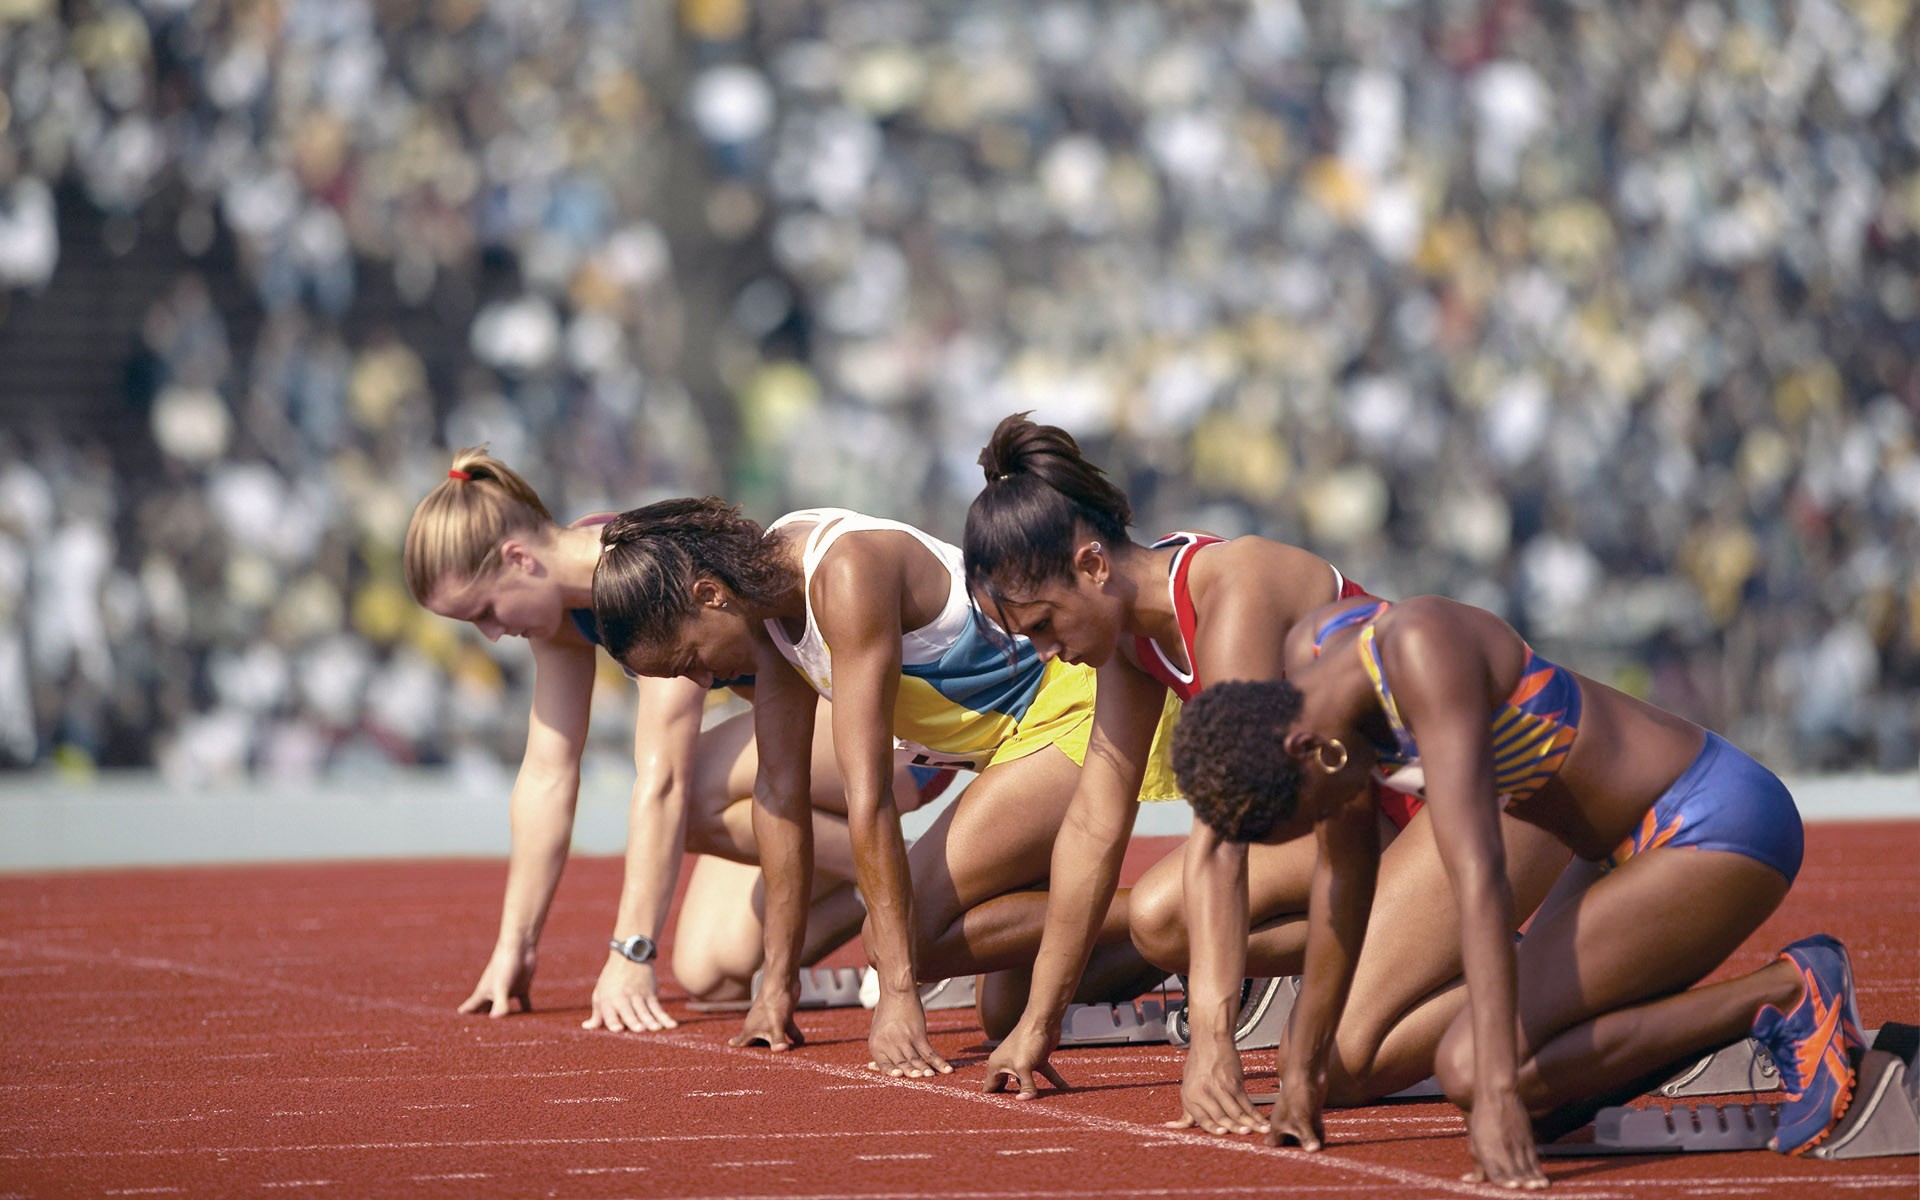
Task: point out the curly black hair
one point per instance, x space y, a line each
1230 757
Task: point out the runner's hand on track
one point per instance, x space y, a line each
769 1023
1501 1136
898 1039
508 977
1018 1059
1213 1091
1296 1116
627 997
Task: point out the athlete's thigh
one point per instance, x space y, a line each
725 763
1413 931
729 760
998 835
1656 925
1279 878
1160 892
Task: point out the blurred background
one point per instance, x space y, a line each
1604 315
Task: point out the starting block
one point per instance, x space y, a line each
1885 1118
829 987
1708 1128
957 992
1129 1023
1744 1066
941 994
1262 1020
823 987
1882 1121
1132 1023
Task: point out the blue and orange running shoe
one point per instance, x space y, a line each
1815 1044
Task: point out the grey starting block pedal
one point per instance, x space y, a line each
1708 1128
1263 1018
1132 1023
829 987
1744 1066
941 994
1884 1120
957 992
824 987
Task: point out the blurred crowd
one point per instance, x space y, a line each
1603 316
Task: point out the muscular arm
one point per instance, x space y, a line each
1213 1093
1441 676
783 714
666 738
860 590
1339 901
540 816
1085 868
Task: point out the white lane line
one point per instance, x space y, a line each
146 1191
1039 1150
587 1100
605 1170
653 1139
56 1085
426 1107
59 969
1131 1130
740 1092
212 1112
890 1157
756 1162
453 1175
298 1183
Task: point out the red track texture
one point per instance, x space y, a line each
290 1030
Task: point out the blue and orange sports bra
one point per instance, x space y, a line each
1533 731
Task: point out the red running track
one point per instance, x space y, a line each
290 1031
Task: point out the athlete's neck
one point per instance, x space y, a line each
790 607
575 551
1142 575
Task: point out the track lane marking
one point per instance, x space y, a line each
1147 1134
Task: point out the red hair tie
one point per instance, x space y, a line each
457 473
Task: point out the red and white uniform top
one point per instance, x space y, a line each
1187 683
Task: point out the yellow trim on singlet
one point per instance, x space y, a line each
1062 715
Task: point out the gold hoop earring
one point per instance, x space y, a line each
1320 756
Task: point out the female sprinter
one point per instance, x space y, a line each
482 548
1047 546
875 615
1684 845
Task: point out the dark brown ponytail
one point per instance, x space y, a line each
1021 527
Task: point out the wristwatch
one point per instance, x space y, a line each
638 948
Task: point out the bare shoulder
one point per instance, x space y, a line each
1262 575
862 558
1446 634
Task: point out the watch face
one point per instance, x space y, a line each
638 948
